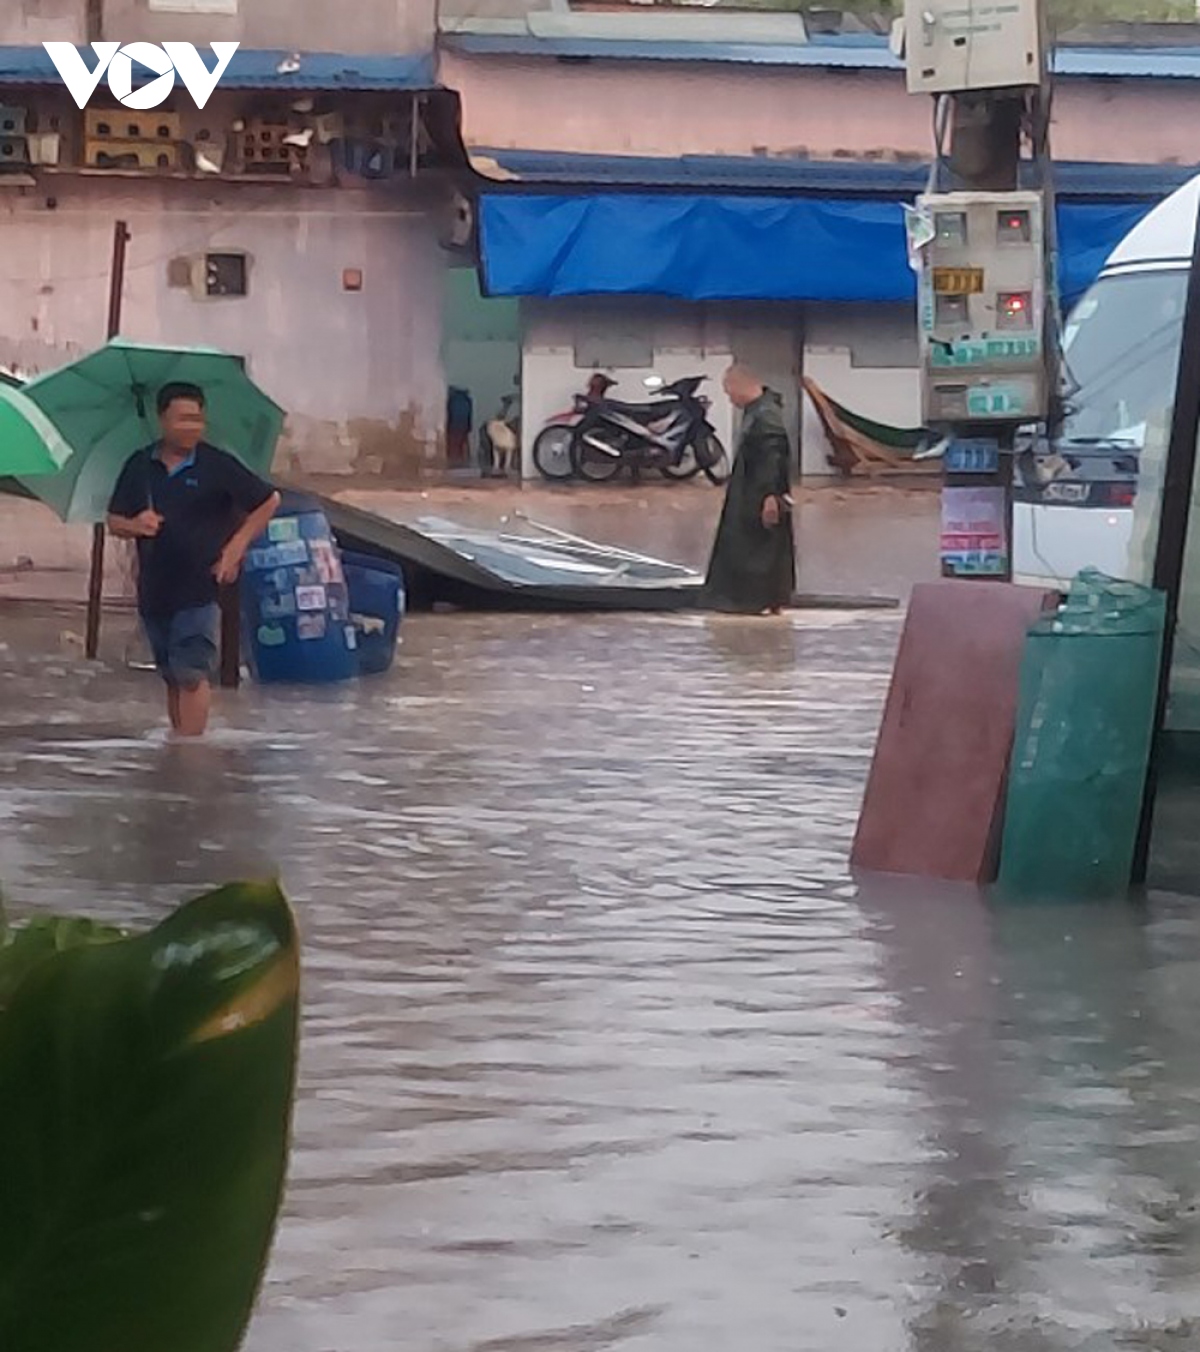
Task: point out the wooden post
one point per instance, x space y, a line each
231 636
116 288
95 600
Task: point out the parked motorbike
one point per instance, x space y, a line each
601 436
552 447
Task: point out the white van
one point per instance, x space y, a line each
1091 498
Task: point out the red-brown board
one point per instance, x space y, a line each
935 797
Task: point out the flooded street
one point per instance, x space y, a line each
603 1047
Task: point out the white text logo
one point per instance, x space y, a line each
165 61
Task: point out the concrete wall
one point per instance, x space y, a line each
865 357
685 340
30 21
769 338
309 25
358 373
481 344
668 109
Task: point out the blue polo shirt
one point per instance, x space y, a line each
202 502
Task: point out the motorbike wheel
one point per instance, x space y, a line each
687 466
713 458
552 454
594 465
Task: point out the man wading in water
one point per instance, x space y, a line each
753 566
194 511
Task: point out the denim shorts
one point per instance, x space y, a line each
185 645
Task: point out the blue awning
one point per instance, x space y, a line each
257 68
735 248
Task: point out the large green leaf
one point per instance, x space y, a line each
23 948
145 1103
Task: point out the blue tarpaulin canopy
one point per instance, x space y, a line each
716 247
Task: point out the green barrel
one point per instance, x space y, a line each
1085 719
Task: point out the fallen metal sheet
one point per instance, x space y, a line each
524 565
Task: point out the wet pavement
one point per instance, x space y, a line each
859 540
603 1048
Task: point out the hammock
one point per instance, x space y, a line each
859 445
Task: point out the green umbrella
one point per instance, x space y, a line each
104 406
30 444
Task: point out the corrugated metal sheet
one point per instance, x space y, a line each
260 68
852 54
1148 63
1083 180
859 52
657 24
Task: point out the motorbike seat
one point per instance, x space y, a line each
659 409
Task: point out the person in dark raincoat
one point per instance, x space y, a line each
752 570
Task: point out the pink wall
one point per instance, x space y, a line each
669 109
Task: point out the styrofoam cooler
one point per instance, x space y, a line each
377 605
295 602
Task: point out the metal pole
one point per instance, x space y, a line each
116 278
985 156
1174 514
414 136
231 636
1006 468
116 287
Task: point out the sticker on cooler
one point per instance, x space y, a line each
285 555
325 560
310 598
277 607
283 529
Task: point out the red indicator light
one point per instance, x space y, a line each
1014 310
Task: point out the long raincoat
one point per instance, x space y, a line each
753 566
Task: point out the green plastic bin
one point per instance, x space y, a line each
1085 719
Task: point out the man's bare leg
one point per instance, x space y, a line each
173 706
194 704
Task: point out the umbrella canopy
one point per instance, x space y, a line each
30 444
104 406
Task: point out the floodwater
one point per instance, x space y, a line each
604 1049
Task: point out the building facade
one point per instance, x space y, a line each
721 161
303 218
381 204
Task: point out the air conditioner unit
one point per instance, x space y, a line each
460 223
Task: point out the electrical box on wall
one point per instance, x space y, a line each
952 46
982 306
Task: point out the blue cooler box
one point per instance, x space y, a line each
295 602
377 604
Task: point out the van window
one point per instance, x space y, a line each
1120 364
1121 358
